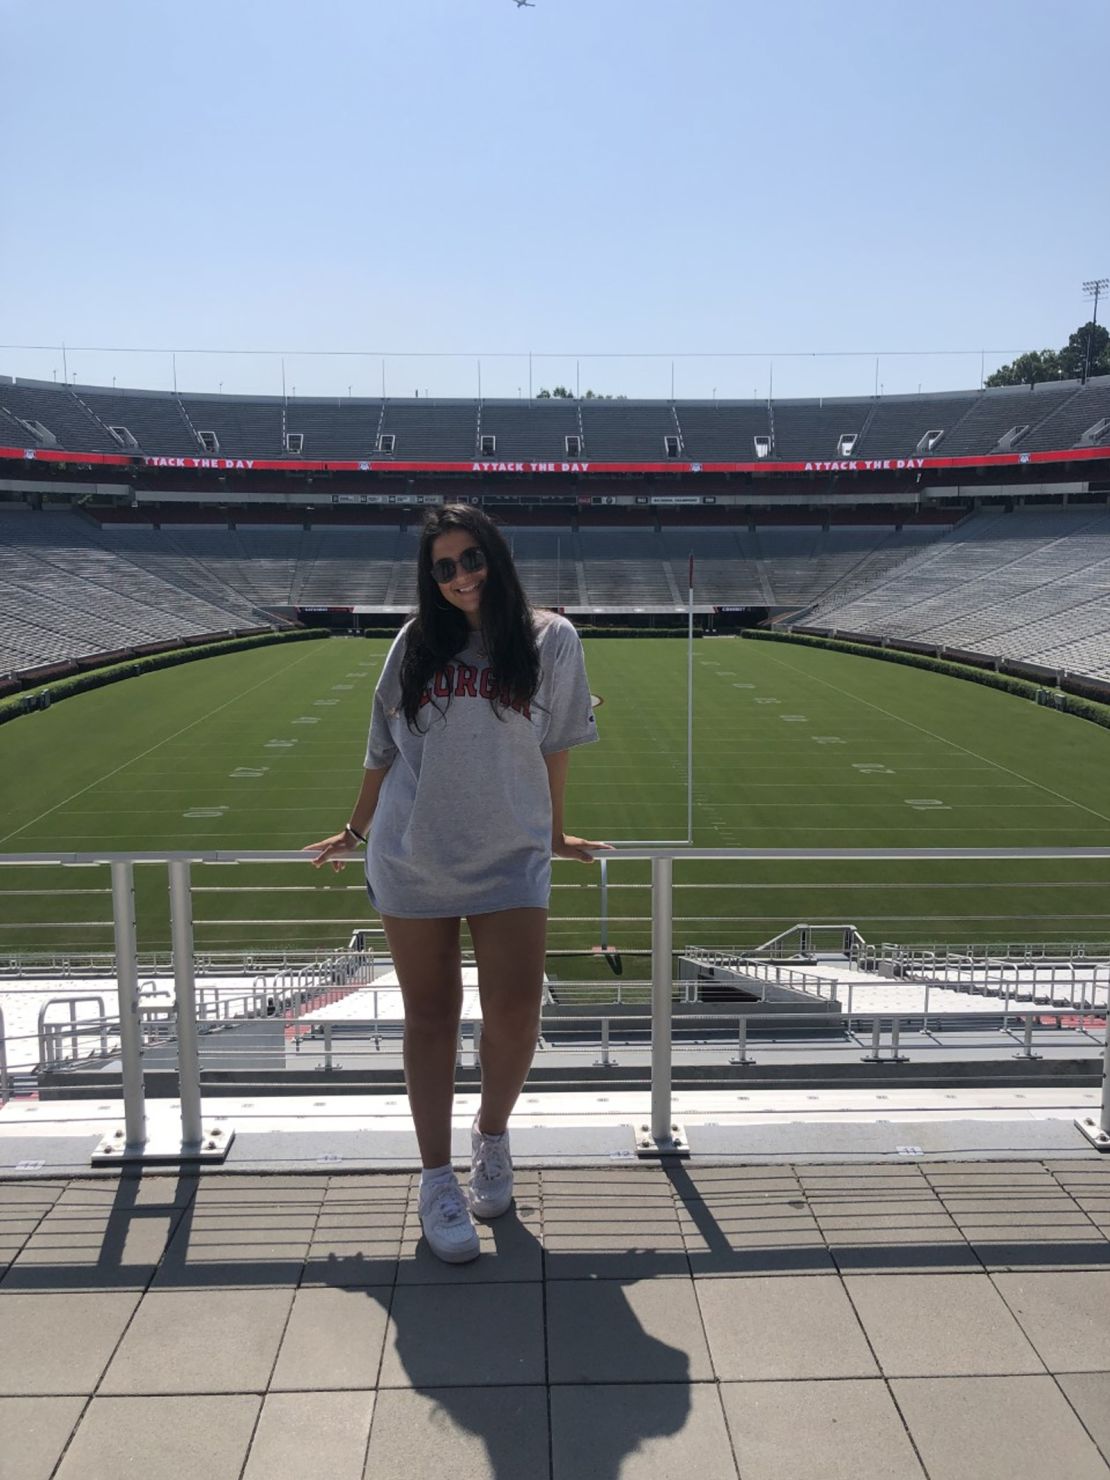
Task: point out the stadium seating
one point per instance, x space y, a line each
60 412
722 431
811 429
896 425
1033 584
618 430
64 594
998 412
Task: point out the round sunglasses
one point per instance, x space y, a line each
470 560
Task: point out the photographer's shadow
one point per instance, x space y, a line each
471 1349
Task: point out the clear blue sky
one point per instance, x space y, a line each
586 177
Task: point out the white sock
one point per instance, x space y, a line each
484 1136
436 1174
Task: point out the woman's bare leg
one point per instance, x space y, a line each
509 947
428 963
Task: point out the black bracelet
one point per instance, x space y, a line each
347 828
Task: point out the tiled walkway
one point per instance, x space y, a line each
809 1322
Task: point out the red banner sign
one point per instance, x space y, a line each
527 467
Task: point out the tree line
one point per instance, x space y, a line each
1087 352
563 393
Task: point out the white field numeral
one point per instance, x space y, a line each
248 773
927 804
872 768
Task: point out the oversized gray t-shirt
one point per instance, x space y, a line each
463 821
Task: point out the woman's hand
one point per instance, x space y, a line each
566 846
329 849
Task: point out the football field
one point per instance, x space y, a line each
793 747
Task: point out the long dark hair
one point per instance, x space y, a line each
439 630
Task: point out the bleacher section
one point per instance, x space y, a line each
1068 423
992 416
64 594
628 431
243 428
435 431
60 412
807 429
722 431
536 429
618 430
163 427
897 424
1033 584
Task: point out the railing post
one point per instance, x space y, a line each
1027 1044
1098 1132
662 1136
4 1095
605 1062
127 984
188 1054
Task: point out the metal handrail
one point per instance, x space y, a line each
50 1034
662 960
4 1082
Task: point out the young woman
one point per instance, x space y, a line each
478 705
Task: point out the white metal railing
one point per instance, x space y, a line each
133 1137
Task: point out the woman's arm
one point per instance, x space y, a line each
562 844
362 814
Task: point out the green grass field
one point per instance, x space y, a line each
793 747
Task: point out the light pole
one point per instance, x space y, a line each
1092 289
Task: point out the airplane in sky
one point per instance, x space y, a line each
524 4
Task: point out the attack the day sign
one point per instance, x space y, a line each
527 467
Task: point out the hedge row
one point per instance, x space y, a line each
1099 714
95 678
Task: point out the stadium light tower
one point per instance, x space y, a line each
1092 289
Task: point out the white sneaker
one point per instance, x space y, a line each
446 1221
491 1174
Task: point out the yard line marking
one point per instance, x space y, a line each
878 708
184 730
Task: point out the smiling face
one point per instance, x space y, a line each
464 589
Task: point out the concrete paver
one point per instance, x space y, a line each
852 1428
173 1438
443 1335
782 1321
1066 1315
996 1428
33 1433
783 1326
1089 1394
643 1431
333 1339
625 1331
313 1436
934 1324
467 1433
60 1342
200 1341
